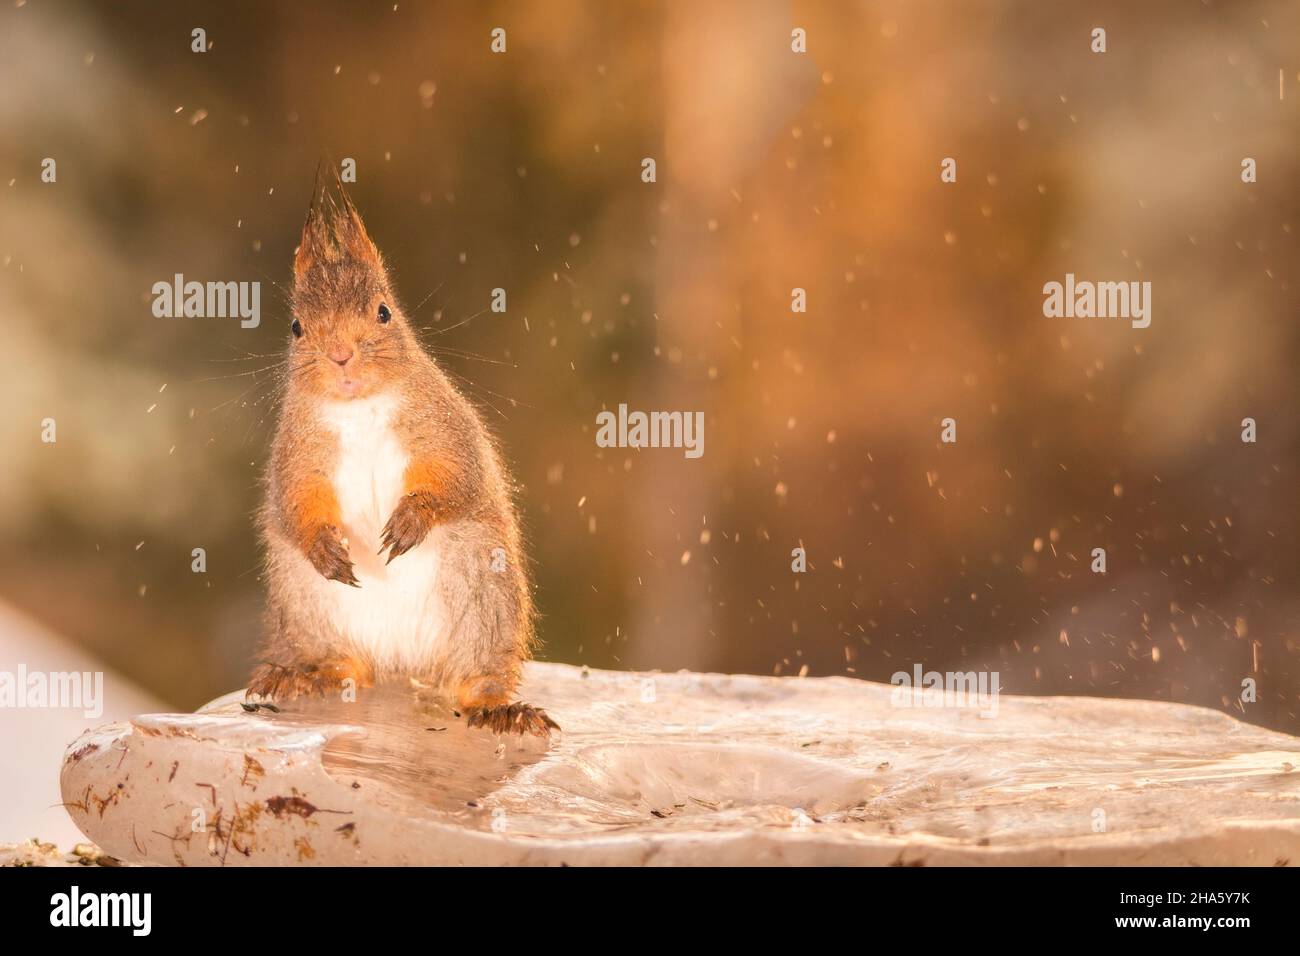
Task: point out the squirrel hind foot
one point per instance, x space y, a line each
320 679
485 702
517 718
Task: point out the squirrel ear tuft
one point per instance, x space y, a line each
313 247
350 231
333 229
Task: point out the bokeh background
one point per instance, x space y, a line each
775 171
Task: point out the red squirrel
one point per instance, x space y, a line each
393 548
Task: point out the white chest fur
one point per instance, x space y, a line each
394 616
371 463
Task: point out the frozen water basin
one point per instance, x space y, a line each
691 768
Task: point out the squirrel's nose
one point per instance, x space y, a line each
340 354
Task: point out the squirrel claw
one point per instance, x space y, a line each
517 718
329 555
407 526
321 679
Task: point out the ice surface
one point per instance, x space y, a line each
688 768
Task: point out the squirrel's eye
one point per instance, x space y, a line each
384 314
297 329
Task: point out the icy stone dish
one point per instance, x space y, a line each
679 769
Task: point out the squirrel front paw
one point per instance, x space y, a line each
329 555
408 525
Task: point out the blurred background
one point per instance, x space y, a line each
775 170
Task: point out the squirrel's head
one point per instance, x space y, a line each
350 338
